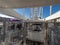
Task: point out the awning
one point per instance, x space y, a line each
5 16
54 16
12 13
26 3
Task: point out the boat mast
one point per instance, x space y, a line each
50 7
31 13
41 12
36 13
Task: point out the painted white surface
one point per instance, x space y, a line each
36 36
5 16
54 16
12 13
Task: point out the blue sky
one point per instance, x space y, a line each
46 11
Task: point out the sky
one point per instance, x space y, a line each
46 11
